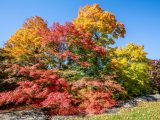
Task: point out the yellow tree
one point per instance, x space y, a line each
22 44
36 24
102 24
131 66
25 45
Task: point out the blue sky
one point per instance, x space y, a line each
141 18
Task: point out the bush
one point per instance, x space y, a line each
96 94
46 89
155 74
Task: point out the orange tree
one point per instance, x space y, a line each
24 47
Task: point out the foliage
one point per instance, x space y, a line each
38 91
132 67
71 68
73 48
25 45
100 23
35 23
106 83
97 94
46 89
3 56
155 74
19 44
7 78
82 45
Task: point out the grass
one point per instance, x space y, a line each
144 111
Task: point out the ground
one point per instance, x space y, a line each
144 111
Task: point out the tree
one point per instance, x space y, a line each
104 29
35 23
88 38
74 48
132 69
100 23
25 45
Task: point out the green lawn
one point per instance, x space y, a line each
144 111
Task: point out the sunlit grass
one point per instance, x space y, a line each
144 111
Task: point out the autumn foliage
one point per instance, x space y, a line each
46 89
71 68
132 69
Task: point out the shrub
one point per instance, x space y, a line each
46 89
96 94
155 74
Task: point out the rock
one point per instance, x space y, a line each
139 99
31 115
155 97
112 110
24 115
129 104
133 102
62 117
